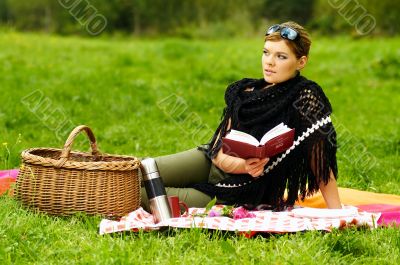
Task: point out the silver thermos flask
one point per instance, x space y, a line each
155 190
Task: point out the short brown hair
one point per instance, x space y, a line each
300 46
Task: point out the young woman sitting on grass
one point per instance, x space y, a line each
255 106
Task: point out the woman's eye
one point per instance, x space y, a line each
282 57
265 52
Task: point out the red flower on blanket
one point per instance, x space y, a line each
240 213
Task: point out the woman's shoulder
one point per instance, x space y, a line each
311 97
309 84
310 89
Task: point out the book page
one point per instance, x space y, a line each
277 130
242 137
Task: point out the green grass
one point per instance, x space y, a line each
117 87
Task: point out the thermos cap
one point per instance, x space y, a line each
149 166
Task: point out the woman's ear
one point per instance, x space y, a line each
301 63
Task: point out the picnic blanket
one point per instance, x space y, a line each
300 219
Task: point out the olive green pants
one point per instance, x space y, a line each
180 170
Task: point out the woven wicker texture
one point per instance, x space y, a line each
62 182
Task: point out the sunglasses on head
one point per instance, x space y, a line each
286 32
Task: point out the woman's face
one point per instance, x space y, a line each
279 62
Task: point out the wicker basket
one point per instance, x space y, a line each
61 182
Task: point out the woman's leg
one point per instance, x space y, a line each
179 171
183 169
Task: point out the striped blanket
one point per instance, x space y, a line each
299 219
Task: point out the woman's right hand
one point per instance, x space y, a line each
255 166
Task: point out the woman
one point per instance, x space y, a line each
255 106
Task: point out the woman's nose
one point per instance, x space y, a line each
269 60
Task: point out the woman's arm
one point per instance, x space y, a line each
236 165
229 164
330 193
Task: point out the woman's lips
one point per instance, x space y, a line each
268 72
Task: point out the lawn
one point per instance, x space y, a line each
119 88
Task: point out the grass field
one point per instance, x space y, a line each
118 87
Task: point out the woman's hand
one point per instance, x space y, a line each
255 166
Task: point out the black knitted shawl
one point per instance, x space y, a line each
299 103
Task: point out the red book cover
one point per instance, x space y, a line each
279 142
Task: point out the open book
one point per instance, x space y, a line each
275 141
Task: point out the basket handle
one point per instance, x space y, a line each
68 144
